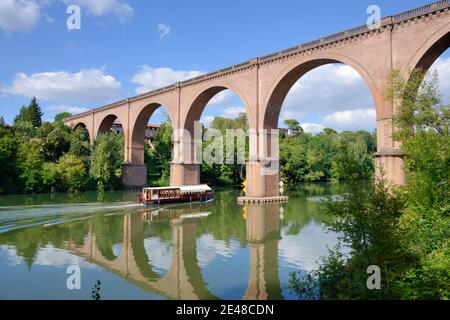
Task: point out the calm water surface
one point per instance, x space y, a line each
200 251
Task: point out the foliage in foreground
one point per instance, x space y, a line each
406 230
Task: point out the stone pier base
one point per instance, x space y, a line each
134 175
184 174
278 199
263 178
389 166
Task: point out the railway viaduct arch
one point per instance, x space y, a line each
409 40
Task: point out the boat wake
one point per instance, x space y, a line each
15 217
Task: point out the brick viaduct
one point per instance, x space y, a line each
413 39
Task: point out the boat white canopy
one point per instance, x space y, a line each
195 188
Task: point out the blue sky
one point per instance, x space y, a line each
126 47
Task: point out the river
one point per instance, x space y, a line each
216 250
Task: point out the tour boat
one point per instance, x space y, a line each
195 193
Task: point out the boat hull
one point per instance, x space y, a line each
176 200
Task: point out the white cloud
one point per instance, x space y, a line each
160 255
328 89
361 119
291 114
220 98
207 120
313 128
208 249
163 30
232 112
104 7
48 18
442 66
51 256
302 251
91 85
150 78
55 109
18 15
11 255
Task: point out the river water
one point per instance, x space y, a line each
216 250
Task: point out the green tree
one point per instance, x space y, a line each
79 143
73 173
23 116
35 113
405 230
51 179
56 143
329 131
31 161
423 123
159 155
107 160
8 164
61 116
294 127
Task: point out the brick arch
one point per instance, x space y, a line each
84 125
138 129
284 81
106 123
430 50
197 105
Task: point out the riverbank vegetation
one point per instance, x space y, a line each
304 157
405 231
49 157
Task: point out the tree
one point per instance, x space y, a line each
61 116
5 130
423 128
31 162
107 160
8 164
294 127
23 116
329 131
79 143
159 157
56 143
402 230
73 173
35 113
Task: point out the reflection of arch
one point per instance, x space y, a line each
136 237
182 281
197 107
107 123
431 50
295 71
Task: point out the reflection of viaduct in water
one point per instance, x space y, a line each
184 279
263 233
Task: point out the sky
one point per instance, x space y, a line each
127 47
